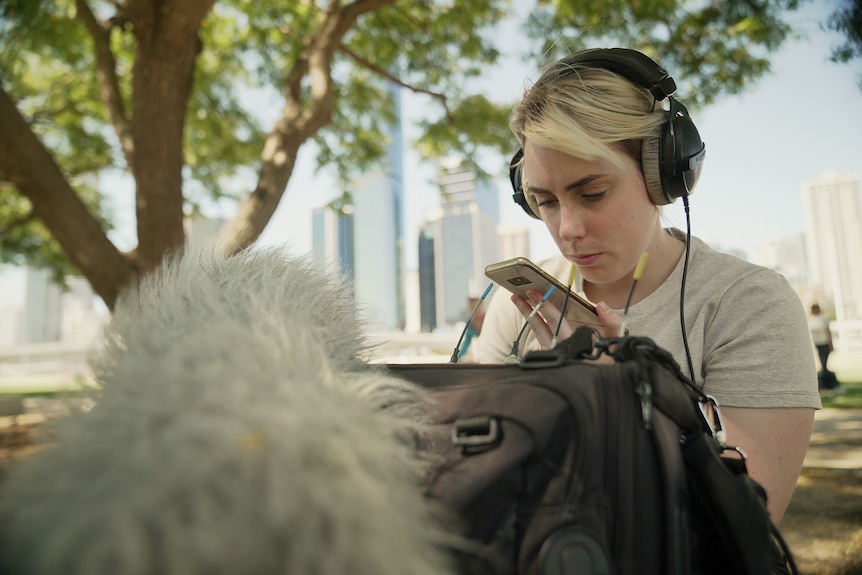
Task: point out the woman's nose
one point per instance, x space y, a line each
571 224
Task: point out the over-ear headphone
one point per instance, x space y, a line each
671 163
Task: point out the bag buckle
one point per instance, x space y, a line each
479 431
716 423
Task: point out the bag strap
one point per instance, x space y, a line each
661 381
672 393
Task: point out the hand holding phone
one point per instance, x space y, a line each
519 275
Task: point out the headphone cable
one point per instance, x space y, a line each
512 358
565 304
639 270
682 288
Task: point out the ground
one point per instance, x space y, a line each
823 524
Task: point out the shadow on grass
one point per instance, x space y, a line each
823 524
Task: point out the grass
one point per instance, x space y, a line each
850 398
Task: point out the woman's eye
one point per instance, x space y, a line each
546 203
593 197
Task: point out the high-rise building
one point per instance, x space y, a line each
42 309
332 239
833 232
427 292
787 256
514 241
83 316
465 240
368 243
12 294
53 313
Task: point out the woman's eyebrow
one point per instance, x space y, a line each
571 186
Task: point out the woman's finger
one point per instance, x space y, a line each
610 320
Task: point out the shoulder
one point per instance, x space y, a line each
729 276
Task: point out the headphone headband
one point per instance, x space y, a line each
631 64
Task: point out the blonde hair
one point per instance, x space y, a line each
590 113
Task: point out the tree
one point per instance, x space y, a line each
152 86
847 20
716 48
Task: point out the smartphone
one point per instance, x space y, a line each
520 274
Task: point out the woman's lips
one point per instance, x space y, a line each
585 260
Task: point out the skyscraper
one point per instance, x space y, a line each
464 240
332 239
42 309
833 231
427 292
368 243
787 256
514 242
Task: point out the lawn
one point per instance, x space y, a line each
849 397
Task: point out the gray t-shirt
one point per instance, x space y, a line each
747 329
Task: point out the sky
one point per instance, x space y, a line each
802 120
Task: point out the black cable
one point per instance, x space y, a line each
565 304
639 270
513 354
682 289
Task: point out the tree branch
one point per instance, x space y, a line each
299 121
106 76
394 79
32 170
325 41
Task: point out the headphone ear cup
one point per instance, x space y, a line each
651 166
516 177
682 153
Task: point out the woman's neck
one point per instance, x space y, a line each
664 253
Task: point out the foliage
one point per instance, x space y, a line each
847 20
717 48
73 69
25 240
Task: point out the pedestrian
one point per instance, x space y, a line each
821 337
603 146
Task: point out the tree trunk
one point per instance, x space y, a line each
167 44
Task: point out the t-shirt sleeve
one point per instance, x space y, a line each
759 350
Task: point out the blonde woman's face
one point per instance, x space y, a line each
598 213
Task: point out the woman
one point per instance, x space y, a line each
599 155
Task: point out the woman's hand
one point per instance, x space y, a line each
544 323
